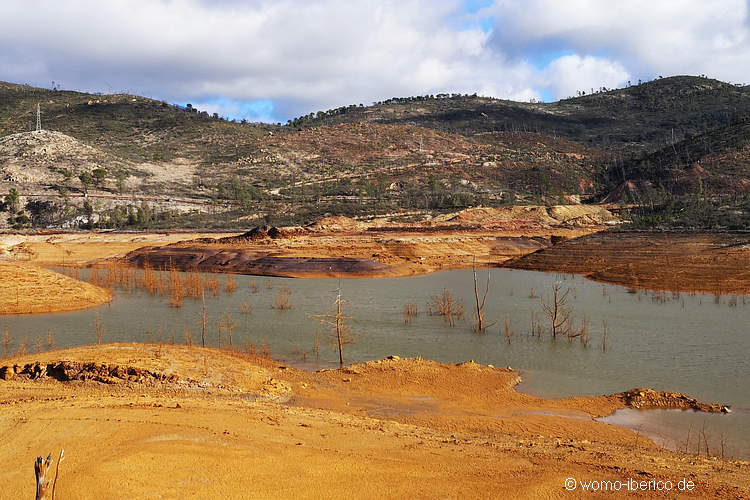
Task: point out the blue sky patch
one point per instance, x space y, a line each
474 6
547 95
541 60
234 109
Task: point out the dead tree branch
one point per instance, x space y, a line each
557 311
480 325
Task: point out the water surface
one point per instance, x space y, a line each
696 344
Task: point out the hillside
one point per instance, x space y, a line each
197 171
132 127
628 120
357 169
161 165
375 160
39 158
714 164
702 181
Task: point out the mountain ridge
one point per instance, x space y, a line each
417 155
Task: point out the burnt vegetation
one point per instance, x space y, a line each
677 149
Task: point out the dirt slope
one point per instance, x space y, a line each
216 424
37 158
29 289
717 263
83 247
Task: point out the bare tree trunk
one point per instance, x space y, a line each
557 312
480 325
338 326
203 318
480 318
218 338
339 318
41 468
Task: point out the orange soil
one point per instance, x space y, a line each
384 254
26 289
492 235
83 248
716 263
230 426
355 254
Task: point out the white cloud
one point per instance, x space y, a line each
646 37
568 74
310 55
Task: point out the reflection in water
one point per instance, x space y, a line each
695 344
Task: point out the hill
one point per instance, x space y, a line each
714 164
162 165
376 160
629 120
40 158
701 181
132 127
231 174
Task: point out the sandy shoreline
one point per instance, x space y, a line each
716 263
362 254
681 262
353 255
162 420
28 289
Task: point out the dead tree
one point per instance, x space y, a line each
557 311
480 325
446 306
41 470
341 332
203 319
227 324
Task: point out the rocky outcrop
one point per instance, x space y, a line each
255 234
67 371
650 399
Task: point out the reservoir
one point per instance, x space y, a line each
697 344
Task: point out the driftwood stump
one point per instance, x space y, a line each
42 469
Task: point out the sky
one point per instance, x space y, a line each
273 60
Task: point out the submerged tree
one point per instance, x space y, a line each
204 318
480 325
446 306
226 324
341 333
557 311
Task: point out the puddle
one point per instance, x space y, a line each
688 430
